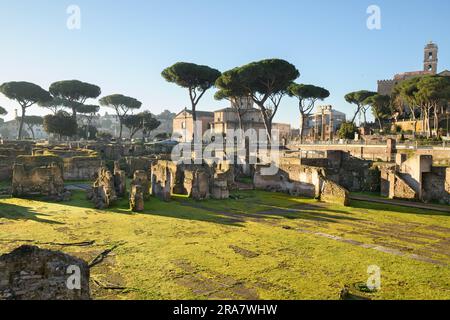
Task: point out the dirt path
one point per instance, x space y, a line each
402 203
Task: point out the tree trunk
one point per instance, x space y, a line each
195 139
356 114
120 128
32 131
22 120
302 128
379 123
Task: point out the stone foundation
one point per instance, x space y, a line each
38 175
30 273
81 168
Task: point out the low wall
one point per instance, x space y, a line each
368 152
436 185
37 175
81 168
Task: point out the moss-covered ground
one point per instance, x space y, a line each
257 245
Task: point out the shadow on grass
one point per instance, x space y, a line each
15 212
232 212
357 204
235 212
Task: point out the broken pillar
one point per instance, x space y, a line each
120 180
103 192
136 198
141 178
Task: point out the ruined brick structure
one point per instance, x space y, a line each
136 198
31 273
198 181
138 164
163 174
415 178
142 179
120 180
103 192
38 175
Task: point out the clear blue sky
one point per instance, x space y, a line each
124 45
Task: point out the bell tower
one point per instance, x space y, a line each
431 58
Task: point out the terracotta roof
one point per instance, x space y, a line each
199 113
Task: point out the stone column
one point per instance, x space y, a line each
316 127
331 133
323 126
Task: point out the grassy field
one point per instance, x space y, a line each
256 246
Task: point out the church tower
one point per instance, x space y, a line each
431 58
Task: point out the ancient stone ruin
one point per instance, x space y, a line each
298 179
332 192
103 192
415 178
31 273
142 179
39 175
198 181
136 198
163 173
220 186
120 180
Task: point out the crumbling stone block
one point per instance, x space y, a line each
81 168
197 182
219 188
38 175
120 180
136 198
141 178
162 179
103 192
138 164
31 273
333 193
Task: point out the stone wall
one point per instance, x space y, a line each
436 185
30 273
38 175
198 181
8 154
291 178
163 174
331 192
142 179
301 180
103 192
81 168
366 152
138 164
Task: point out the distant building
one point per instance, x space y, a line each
183 124
323 124
225 119
228 118
430 67
10 129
